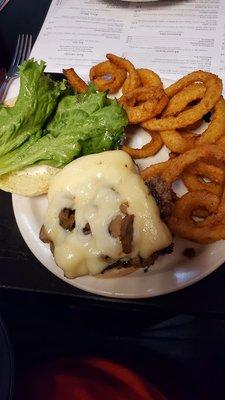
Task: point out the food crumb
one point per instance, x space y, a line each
189 252
146 269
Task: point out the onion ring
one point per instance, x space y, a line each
98 75
153 100
148 78
182 224
213 92
178 103
212 171
200 213
216 128
180 163
135 80
196 76
75 81
193 126
172 169
194 182
177 143
148 149
221 141
155 169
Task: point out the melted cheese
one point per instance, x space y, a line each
95 186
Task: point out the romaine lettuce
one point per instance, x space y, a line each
37 99
80 124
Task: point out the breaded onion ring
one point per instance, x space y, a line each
155 169
182 224
178 103
195 76
148 78
216 128
178 143
150 101
172 169
194 182
193 126
213 92
148 149
214 171
75 81
98 74
180 163
221 140
135 80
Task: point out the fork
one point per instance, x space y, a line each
22 52
3 4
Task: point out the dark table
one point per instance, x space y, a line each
183 355
19 270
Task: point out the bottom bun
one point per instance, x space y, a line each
31 181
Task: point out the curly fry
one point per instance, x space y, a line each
178 103
115 76
135 80
216 127
153 99
148 149
148 78
172 169
196 76
75 81
214 170
178 143
194 182
193 126
155 169
180 163
194 174
182 224
221 140
213 92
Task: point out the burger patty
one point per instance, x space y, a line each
139 262
164 196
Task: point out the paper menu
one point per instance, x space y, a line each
80 33
170 37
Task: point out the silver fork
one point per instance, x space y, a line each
22 52
3 4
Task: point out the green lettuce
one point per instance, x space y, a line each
81 124
36 101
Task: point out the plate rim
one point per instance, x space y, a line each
95 291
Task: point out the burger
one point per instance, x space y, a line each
101 218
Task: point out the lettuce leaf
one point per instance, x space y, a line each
72 132
36 101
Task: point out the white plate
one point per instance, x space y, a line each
169 273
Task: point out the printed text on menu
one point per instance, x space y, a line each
170 37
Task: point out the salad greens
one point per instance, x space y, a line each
49 126
36 101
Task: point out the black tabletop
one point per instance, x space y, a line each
18 267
